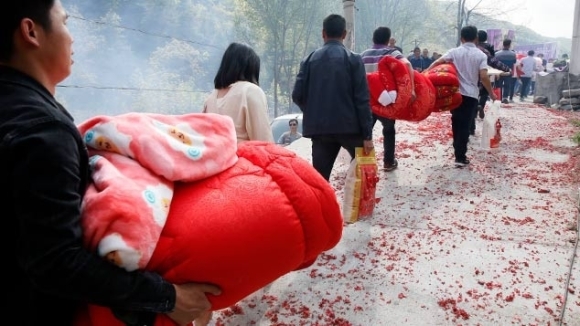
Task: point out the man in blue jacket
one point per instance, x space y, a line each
508 58
332 92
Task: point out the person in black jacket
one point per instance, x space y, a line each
44 173
332 92
493 62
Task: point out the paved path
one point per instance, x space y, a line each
489 244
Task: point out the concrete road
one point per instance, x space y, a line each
494 243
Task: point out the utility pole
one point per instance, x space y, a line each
348 9
575 55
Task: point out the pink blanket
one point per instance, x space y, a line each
135 160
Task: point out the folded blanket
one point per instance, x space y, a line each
269 214
444 79
135 159
393 78
390 89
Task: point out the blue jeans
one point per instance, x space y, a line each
525 89
505 82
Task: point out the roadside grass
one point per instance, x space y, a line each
576 137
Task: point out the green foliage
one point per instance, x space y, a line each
161 56
576 137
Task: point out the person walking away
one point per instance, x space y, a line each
492 62
332 92
471 65
529 66
290 136
238 95
370 58
507 83
44 172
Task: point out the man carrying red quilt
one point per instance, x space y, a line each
371 57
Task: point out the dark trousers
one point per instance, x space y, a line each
388 138
325 150
524 91
461 119
483 96
507 91
513 88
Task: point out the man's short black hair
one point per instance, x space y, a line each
382 35
239 63
481 35
293 120
469 33
11 14
334 25
531 52
507 43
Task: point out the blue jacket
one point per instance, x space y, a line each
331 90
44 172
507 57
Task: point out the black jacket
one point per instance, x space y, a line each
43 176
332 92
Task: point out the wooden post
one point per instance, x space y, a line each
348 9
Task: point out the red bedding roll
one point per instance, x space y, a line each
423 105
445 91
392 75
448 103
268 215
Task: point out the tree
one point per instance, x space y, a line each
405 18
282 31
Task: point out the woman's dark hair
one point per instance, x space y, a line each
334 25
11 14
239 63
381 35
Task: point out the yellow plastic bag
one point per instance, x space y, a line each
360 187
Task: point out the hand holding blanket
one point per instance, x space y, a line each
267 214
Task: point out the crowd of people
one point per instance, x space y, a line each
44 162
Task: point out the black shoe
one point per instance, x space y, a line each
505 101
461 163
392 166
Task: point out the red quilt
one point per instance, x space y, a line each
390 92
444 79
266 215
393 82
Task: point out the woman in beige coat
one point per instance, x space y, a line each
238 95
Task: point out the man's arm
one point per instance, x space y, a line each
361 99
436 63
52 252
